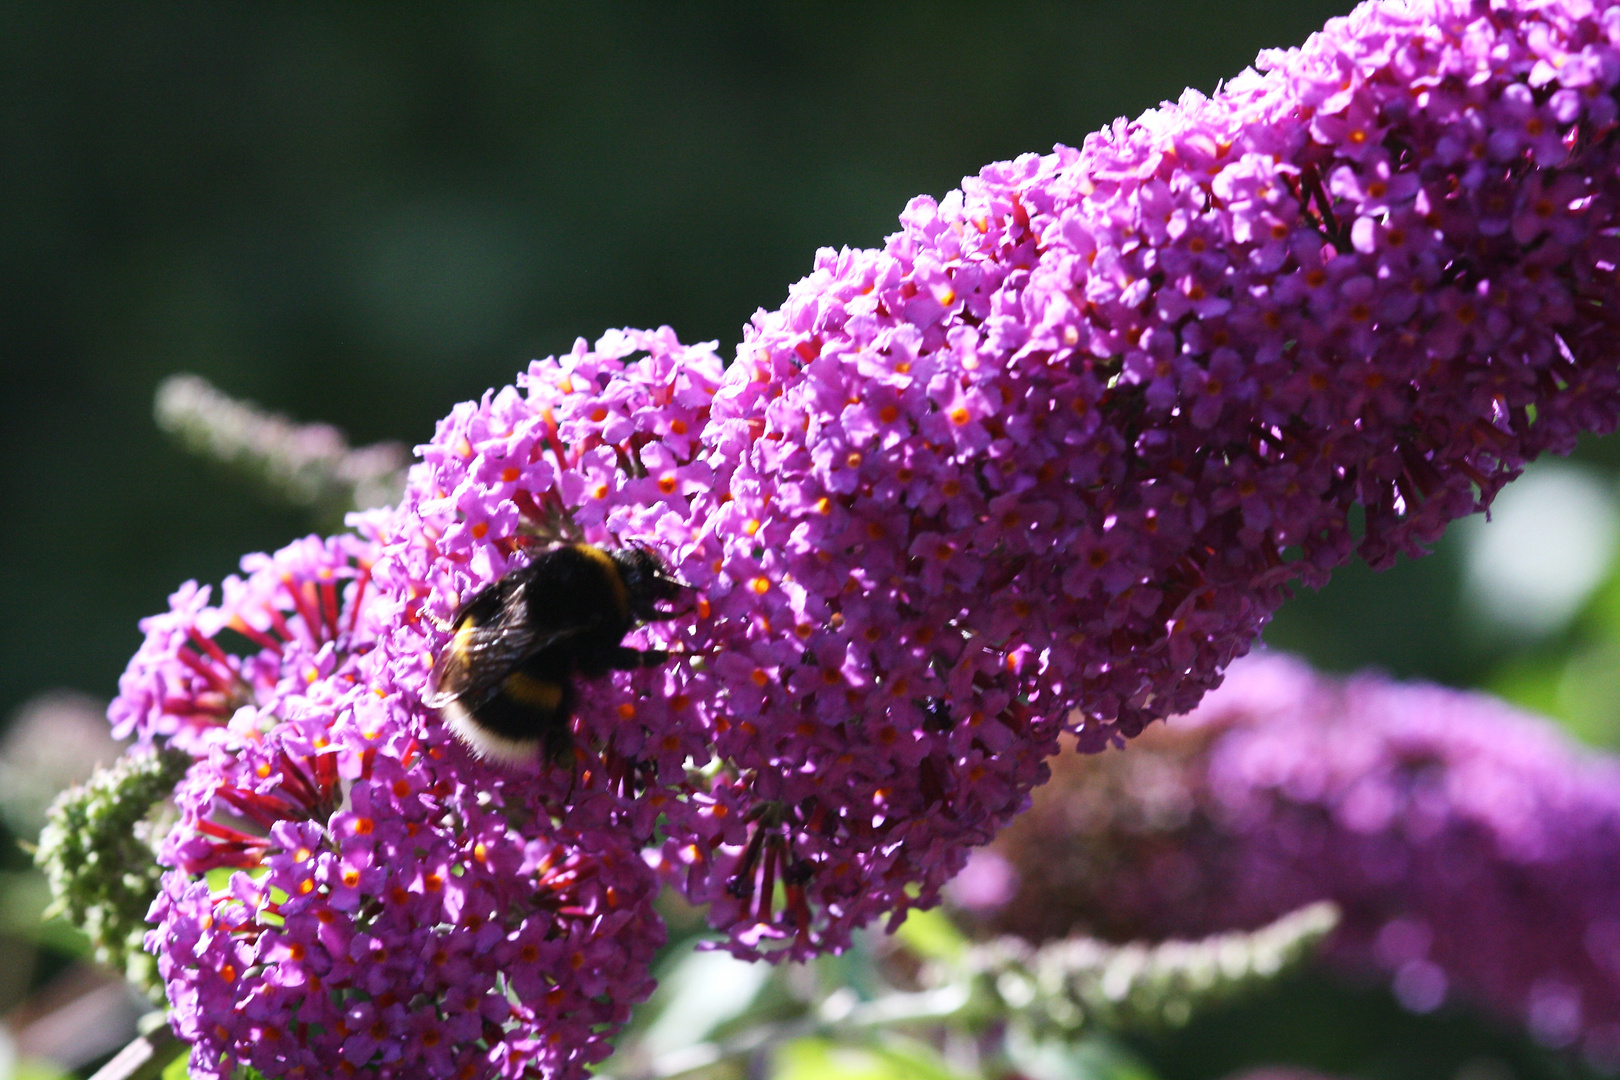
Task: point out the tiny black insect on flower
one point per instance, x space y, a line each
504 683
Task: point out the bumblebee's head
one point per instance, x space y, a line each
647 580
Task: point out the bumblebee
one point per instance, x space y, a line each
504 683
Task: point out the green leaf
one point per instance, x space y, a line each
931 935
704 991
177 1068
894 1058
819 1059
1096 1058
915 1059
219 878
35 1069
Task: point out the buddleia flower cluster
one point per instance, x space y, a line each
1050 458
1045 462
824 742
1473 851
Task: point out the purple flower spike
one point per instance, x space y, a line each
1047 461
1112 399
814 758
598 449
1051 458
1473 852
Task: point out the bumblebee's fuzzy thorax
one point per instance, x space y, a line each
647 580
504 682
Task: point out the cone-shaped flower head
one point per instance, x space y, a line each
1052 455
1048 459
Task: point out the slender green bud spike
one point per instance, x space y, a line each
308 465
1081 984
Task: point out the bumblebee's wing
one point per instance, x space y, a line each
493 635
471 666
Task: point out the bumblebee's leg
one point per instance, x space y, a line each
624 658
557 736
594 654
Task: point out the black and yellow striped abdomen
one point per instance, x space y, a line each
504 682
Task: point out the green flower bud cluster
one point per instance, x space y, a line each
98 849
1081 984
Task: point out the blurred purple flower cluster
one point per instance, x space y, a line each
1046 461
1473 851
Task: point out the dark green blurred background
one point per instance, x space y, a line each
365 213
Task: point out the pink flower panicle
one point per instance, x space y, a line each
1048 460
1052 456
1139 386
409 931
596 450
791 805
